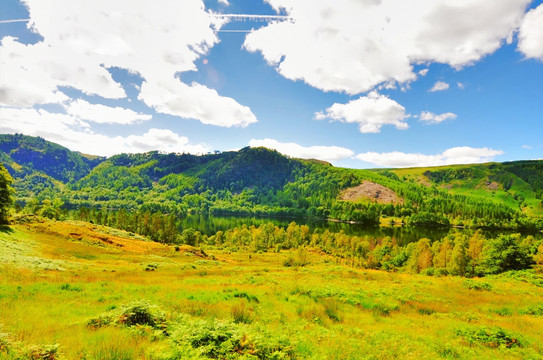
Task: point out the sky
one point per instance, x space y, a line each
358 83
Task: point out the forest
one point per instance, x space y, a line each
264 182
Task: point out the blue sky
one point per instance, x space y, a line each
358 83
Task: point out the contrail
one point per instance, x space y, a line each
249 17
245 17
13 21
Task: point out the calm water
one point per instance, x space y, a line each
209 225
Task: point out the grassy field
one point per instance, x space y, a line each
74 290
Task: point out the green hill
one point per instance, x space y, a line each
264 182
42 167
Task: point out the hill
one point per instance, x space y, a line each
42 167
262 181
74 290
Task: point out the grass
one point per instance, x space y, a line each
70 294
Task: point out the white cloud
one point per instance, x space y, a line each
354 45
176 98
32 74
526 147
431 118
224 2
102 114
456 155
423 72
370 112
461 86
531 34
74 134
82 40
439 86
326 153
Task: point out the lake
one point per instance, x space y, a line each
209 225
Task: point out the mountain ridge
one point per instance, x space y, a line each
262 181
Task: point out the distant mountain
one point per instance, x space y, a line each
23 155
41 167
262 181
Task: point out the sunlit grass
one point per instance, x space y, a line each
322 310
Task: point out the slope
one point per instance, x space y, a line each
65 297
262 181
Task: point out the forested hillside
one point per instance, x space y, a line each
262 181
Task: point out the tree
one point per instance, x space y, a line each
459 260
189 237
505 253
6 194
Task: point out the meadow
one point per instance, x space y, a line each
74 290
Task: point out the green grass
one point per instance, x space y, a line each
241 306
520 196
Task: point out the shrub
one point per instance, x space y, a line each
138 313
151 267
142 313
476 285
532 310
490 337
227 340
249 297
44 352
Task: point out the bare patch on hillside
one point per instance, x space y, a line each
492 185
371 191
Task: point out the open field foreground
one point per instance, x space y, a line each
72 290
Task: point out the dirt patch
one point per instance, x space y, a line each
492 185
372 191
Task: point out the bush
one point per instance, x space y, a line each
142 313
532 310
476 285
227 340
45 352
490 337
138 313
244 295
151 267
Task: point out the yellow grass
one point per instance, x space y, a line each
56 276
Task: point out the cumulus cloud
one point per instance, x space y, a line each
439 86
326 153
83 40
352 45
455 155
75 134
423 72
531 34
431 118
193 101
102 114
370 112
